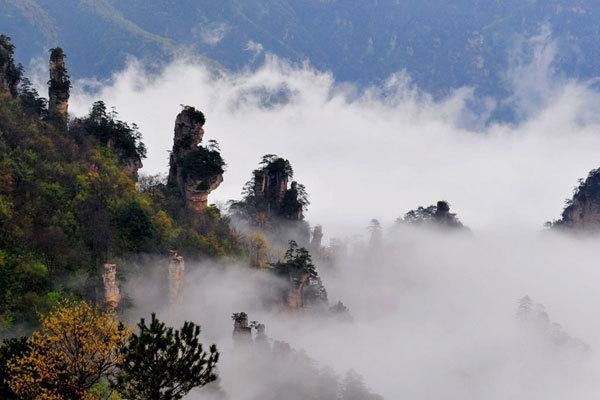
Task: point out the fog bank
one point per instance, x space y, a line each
376 152
435 314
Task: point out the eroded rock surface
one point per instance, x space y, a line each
295 297
58 91
176 276
271 189
195 171
112 295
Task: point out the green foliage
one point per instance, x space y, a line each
438 215
418 216
201 163
34 274
6 42
135 226
104 125
160 363
57 297
68 204
31 99
196 116
274 164
266 197
296 259
62 85
13 72
294 201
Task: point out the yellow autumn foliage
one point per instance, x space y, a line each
76 346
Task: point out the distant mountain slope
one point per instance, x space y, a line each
94 33
441 44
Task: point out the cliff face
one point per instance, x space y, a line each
303 288
271 189
583 210
582 215
58 91
270 185
195 171
295 298
9 72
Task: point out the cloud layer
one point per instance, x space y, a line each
374 153
434 315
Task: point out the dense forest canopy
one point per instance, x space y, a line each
70 201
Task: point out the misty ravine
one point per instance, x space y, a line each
332 241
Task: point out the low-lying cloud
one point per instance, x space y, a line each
372 153
434 315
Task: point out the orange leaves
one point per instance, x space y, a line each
76 346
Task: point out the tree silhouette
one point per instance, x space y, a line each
164 364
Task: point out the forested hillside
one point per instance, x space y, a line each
442 45
70 200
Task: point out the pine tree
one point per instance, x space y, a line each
525 309
165 364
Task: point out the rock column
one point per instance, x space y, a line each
295 298
58 92
176 274
195 171
112 295
242 332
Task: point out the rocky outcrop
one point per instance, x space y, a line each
583 210
122 138
305 291
195 171
58 91
176 275
303 287
242 332
131 166
272 192
112 295
436 216
274 205
317 237
10 74
295 297
271 185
